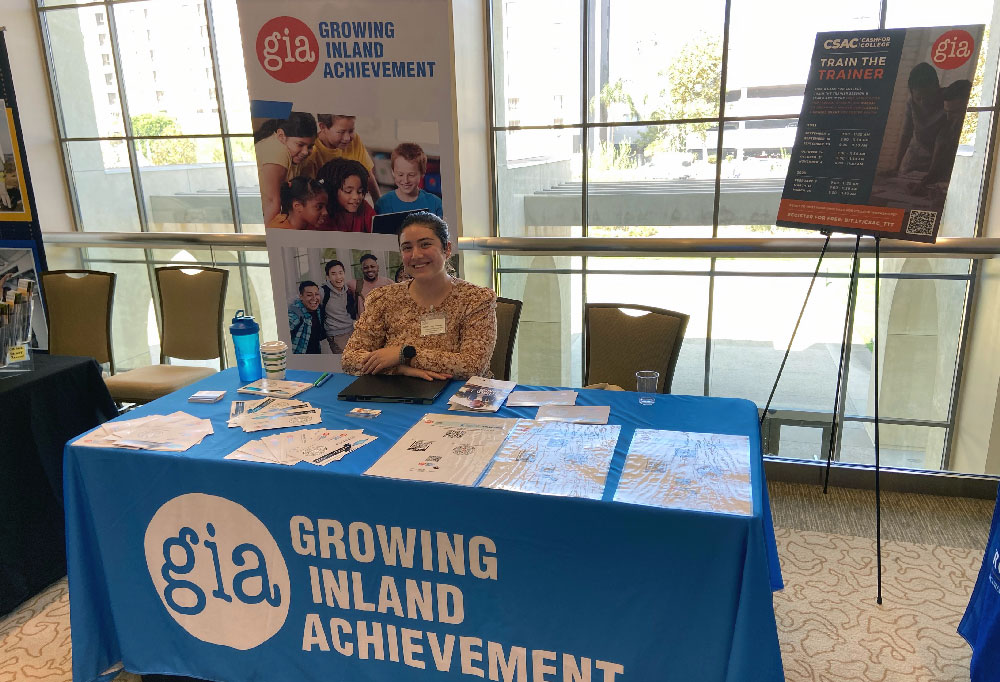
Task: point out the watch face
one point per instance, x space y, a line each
409 351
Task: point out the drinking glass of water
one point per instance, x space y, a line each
645 384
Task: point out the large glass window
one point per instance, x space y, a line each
646 122
154 121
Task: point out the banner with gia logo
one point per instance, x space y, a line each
351 105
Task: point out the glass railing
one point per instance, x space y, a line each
742 295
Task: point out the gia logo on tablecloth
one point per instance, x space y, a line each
218 570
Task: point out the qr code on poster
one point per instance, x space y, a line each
921 222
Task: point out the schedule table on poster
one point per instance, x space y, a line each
191 564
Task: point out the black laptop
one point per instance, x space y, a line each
383 388
388 223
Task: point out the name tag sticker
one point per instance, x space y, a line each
433 324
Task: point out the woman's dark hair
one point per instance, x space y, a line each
298 124
923 75
299 189
957 90
427 219
334 174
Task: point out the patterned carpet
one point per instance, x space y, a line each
829 626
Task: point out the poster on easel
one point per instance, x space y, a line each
881 122
22 255
352 110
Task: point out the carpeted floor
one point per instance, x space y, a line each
829 626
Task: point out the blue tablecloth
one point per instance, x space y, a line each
267 572
981 623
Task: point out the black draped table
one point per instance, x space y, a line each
39 411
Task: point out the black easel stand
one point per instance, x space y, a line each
851 293
878 497
795 330
834 426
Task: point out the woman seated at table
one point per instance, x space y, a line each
432 326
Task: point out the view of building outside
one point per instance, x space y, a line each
645 163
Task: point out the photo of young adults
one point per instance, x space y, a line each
373 269
352 180
321 279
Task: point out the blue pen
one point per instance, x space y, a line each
322 379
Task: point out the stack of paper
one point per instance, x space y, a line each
173 433
275 388
447 448
536 398
554 458
481 395
687 470
272 413
318 446
206 397
576 414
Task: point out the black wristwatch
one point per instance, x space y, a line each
406 353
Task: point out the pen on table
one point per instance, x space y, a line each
262 405
322 379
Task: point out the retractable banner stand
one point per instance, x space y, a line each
21 253
352 109
881 123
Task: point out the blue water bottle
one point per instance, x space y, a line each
246 342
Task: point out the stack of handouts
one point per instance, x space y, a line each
481 395
272 413
318 446
174 433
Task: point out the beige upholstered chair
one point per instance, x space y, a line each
79 304
508 315
191 317
619 345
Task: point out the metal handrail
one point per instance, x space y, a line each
765 247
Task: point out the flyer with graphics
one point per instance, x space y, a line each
444 448
882 119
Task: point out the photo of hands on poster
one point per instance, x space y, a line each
338 172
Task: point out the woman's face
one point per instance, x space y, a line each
298 147
313 211
422 251
350 195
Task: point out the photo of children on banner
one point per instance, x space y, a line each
280 146
327 149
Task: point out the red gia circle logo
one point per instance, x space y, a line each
287 49
952 49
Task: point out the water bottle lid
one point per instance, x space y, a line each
243 324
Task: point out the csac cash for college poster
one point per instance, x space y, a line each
881 123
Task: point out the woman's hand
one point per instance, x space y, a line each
426 374
381 360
